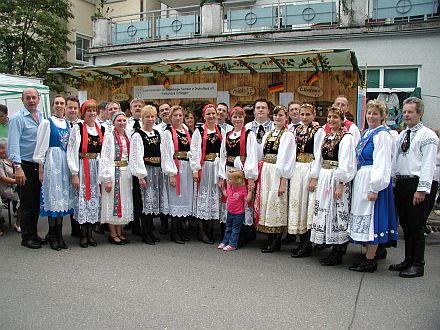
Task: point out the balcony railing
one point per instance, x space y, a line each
155 25
397 10
238 18
277 16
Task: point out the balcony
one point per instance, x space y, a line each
238 17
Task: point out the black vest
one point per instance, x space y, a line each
93 144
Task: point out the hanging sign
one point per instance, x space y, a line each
120 97
176 91
312 91
243 91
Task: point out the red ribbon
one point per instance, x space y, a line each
84 147
121 148
257 194
176 149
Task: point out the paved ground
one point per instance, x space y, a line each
170 286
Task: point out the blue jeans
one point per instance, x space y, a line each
232 231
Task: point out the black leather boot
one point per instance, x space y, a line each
305 247
90 239
267 242
335 258
83 240
163 224
203 237
175 236
275 245
60 238
290 238
52 238
146 237
76 231
381 252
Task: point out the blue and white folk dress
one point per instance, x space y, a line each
373 222
56 190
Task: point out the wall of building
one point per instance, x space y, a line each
81 23
388 50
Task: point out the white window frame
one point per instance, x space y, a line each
84 36
382 89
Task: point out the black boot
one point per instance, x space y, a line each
268 242
203 237
60 238
275 245
182 228
175 235
146 237
163 224
335 257
381 252
52 239
76 231
367 266
90 239
305 247
150 229
290 238
209 226
83 240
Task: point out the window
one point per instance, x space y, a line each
82 44
396 79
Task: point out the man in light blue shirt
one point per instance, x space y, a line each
22 139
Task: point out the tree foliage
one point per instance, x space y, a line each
34 37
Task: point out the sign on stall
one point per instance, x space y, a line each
177 91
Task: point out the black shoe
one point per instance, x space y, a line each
83 243
304 250
275 245
113 241
413 271
333 260
368 266
320 247
332 253
60 238
124 240
154 238
148 240
91 241
40 240
177 240
400 267
98 229
31 244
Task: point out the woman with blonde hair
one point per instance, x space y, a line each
145 160
373 218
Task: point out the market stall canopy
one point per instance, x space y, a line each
10 92
310 60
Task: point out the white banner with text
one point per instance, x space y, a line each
178 91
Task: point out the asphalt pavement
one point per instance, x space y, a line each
196 286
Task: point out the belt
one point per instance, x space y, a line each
88 155
154 160
211 156
329 164
270 158
121 163
304 157
232 158
406 177
181 155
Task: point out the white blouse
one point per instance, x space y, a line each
252 156
74 145
286 153
167 153
196 148
136 162
380 174
43 137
